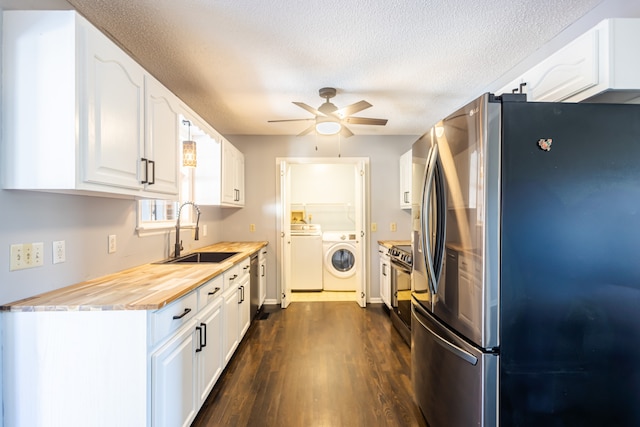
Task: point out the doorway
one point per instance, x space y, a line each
331 193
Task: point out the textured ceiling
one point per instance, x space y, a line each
240 63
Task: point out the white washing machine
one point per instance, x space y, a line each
306 257
340 261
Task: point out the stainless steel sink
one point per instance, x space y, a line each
200 257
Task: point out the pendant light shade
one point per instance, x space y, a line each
189 157
189 154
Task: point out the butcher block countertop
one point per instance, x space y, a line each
389 243
146 287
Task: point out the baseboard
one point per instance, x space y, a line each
271 302
377 300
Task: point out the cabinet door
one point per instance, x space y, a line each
385 278
262 260
245 307
210 357
231 322
228 173
240 178
405 180
115 85
232 175
161 139
173 389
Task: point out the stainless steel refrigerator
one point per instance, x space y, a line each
526 265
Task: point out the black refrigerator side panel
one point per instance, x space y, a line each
570 270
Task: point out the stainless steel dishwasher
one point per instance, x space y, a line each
254 285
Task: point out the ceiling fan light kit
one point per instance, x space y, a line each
330 119
327 126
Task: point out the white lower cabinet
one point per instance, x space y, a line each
231 322
385 275
262 261
210 362
237 311
185 369
244 309
156 368
173 387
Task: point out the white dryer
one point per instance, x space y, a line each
340 261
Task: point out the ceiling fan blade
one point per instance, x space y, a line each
351 109
309 109
365 121
291 120
308 130
345 132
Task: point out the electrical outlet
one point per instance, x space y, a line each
252 227
393 227
112 243
59 252
27 255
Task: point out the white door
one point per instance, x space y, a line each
362 240
361 170
285 234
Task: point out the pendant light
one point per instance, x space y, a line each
189 149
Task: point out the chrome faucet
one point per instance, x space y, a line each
178 246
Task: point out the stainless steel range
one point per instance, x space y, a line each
401 261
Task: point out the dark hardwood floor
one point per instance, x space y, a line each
316 364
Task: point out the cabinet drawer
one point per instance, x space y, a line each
244 268
210 291
232 276
170 318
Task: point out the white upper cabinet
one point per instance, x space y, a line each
83 116
219 174
601 65
232 175
115 102
161 136
405 180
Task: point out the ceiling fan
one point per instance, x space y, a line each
329 120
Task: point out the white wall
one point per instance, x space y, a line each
322 183
261 179
84 223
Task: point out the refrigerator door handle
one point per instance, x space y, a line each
424 215
461 353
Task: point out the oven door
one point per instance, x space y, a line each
401 297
